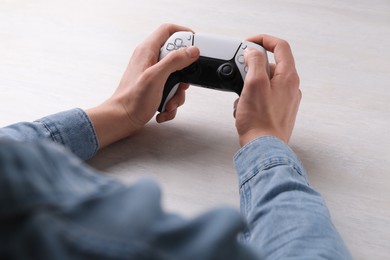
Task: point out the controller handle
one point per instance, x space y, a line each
170 89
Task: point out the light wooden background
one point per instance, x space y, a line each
57 54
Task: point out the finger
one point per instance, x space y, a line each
172 106
174 61
272 67
166 116
235 107
281 49
184 86
178 99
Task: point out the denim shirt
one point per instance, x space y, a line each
72 129
54 206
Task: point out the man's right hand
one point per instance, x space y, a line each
268 104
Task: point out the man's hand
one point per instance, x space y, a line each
268 104
139 94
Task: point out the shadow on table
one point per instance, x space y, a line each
173 143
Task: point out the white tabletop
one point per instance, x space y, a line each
56 55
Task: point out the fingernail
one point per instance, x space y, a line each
192 51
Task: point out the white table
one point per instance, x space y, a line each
56 55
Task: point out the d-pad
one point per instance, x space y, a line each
177 44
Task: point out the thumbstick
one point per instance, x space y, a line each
226 71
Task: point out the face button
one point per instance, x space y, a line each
241 59
170 47
178 42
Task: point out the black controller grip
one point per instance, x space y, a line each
172 80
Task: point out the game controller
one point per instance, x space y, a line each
221 64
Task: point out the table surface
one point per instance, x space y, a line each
56 55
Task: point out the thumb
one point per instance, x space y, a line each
257 72
177 60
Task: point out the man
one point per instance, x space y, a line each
53 206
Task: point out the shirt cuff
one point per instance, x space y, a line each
264 153
74 130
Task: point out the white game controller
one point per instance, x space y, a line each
221 64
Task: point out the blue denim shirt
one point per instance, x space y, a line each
53 206
72 129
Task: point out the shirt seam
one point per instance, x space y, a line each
269 164
53 134
92 129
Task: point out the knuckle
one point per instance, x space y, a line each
256 79
182 98
256 55
146 77
250 81
297 79
167 28
284 44
164 26
138 49
294 78
255 58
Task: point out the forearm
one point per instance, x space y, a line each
110 122
72 129
287 218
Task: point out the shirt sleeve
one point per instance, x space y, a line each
287 218
71 128
53 206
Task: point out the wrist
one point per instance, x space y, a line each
251 135
111 123
247 138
